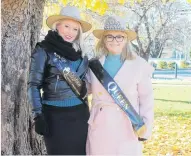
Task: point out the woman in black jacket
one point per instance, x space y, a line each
59 115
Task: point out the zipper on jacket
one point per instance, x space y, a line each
57 78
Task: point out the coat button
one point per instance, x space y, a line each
100 109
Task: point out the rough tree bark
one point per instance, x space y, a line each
21 24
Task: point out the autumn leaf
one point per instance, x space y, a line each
121 2
88 3
189 1
139 1
103 8
96 6
55 9
131 2
64 2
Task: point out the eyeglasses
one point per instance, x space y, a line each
118 38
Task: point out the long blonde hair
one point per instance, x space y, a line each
78 42
101 50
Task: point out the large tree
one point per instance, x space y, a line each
21 24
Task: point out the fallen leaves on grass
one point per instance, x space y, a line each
171 136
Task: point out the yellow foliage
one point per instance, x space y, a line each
163 1
64 2
105 5
102 11
189 1
139 1
104 8
54 9
132 2
171 136
81 4
74 3
88 4
100 7
97 6
121 2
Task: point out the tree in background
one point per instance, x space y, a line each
153 27
181 30
151 19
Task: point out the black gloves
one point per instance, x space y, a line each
83 92
41 126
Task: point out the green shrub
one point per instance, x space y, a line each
162 65
184 64
171 65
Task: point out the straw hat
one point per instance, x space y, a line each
69 12
117 24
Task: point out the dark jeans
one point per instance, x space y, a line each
68 129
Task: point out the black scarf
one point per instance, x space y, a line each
54 43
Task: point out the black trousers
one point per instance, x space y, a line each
68 129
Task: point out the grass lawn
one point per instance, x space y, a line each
172 128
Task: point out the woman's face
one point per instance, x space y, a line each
68 29
115 41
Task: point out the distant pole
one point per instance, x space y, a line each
175 73
153 74
154 65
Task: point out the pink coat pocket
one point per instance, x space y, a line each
96 117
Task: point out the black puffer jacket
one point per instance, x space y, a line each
44 75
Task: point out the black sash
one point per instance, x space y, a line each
116 93
69 75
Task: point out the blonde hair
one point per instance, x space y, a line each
77 43
101 50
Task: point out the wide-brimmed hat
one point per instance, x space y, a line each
115 23
68 12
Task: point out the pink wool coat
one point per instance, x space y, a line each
110 131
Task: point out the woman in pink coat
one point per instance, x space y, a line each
110 130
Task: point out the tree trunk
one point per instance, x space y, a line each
145 55
21 24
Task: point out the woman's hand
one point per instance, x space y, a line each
41 126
